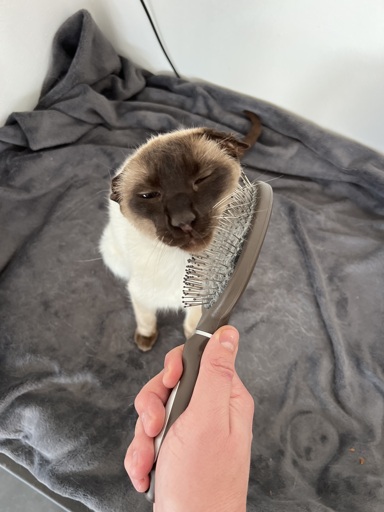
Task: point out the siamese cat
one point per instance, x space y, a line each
163 207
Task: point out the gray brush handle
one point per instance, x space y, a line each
180 396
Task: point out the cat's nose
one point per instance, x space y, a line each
183 220
180 212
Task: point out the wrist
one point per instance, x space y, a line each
231 504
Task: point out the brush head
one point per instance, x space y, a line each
209 274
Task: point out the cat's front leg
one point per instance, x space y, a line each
192 317
146 325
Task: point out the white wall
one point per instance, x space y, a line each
27 29
321 59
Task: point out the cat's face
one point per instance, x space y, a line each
174 186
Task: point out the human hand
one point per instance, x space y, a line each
204 460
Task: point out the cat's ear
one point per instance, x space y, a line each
234 147
115 189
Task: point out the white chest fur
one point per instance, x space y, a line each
154 270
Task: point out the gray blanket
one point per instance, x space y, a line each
311 320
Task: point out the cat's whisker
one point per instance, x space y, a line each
88 261
273 179
230 215
158 251
76 208
222 201
111 170
246 182
128 151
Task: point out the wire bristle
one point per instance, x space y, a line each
207 274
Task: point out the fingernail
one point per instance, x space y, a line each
228 339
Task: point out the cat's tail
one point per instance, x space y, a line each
255 131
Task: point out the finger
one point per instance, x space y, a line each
149 403
173 367
214 383
139 458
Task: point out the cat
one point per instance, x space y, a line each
163 207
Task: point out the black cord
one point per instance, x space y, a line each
158 37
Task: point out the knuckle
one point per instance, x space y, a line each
137 403
145 400
128 460
138 427
175 353
168 357
127 465
223 367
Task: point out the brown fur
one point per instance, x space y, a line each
172 186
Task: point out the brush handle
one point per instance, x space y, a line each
180 396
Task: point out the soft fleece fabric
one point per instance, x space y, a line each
311 320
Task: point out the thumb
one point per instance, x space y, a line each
213 387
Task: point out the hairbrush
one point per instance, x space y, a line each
216 279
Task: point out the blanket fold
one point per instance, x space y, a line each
311 319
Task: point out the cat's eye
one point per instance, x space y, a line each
200 180
149 195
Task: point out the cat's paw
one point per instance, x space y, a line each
145 343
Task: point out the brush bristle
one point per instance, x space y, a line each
208 273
